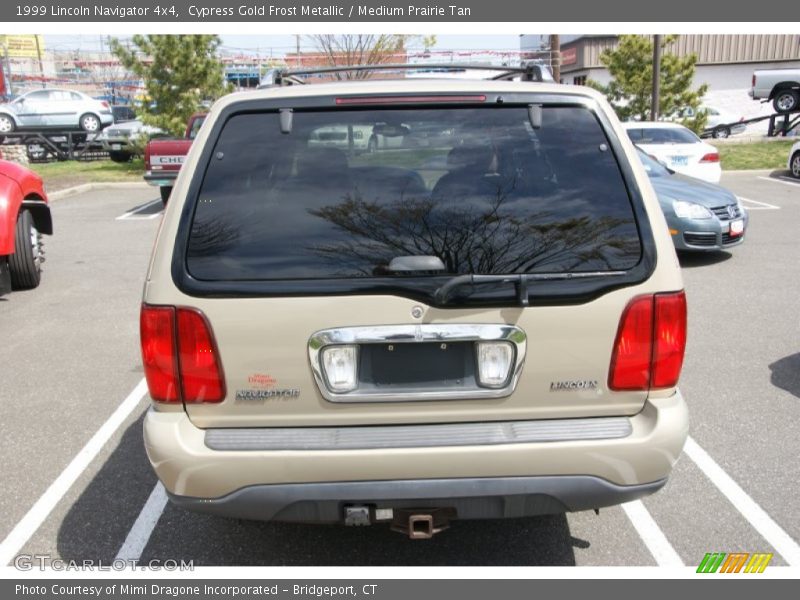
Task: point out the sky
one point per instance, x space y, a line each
278 45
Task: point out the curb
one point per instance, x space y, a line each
753 171
88 187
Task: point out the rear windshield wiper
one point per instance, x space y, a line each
520 281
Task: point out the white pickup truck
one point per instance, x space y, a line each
782 86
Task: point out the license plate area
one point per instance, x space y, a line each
426 362
679 161
737 228
428 365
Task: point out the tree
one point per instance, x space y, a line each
337 50
631 67
180 73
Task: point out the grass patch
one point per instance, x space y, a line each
61 175
755 155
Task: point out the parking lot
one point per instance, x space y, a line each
78 485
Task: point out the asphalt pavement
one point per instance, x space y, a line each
78 485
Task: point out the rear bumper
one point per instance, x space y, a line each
161 178
477 498
560 473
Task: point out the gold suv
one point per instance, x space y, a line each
410 301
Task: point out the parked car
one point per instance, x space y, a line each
55 109
677 147
163 157
782 86
701 216
489 328
122 140
24 217
719 123
793 164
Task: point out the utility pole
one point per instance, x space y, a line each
39 55
555 57
297 56
656 78
6 67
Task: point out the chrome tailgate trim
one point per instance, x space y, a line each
417 436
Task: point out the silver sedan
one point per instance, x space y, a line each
49 109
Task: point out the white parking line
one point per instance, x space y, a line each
651 534
781 180
37 514
144 525
761 205
750 510
134 214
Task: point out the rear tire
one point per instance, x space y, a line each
795 165
721 133
786 101
90 123
26 262
165 190
119 157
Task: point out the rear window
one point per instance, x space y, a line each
662 135
347 191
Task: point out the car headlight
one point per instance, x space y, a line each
690 210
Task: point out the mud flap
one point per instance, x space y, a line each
5 276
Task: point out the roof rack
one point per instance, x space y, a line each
285 76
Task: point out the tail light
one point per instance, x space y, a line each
711 157
157 332
754 80
181 362
147 157
105 104
651 340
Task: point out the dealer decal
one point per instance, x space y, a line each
264 387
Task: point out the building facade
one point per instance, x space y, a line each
724 62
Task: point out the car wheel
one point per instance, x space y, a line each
786 101
795 165
26 262
721 133
165 190
36 152
7 124
119 157
90 123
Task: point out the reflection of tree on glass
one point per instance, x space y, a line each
468 238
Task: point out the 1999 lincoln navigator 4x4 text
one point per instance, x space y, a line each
412 301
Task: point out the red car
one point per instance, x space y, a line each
163 158
24 217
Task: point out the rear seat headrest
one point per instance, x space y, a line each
312 162
462 157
